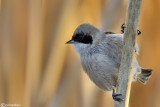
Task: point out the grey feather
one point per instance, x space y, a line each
101 59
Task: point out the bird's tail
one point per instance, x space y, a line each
144 75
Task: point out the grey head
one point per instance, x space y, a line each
87 34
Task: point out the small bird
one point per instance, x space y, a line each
100 54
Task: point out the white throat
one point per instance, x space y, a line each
81 47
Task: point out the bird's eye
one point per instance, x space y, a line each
83 38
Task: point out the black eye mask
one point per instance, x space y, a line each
83 38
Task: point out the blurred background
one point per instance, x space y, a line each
37 68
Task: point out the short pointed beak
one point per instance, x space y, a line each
70 42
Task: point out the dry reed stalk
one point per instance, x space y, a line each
127 59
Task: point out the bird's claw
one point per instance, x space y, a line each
116 97
123 27
138 32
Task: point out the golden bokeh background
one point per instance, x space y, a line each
37 68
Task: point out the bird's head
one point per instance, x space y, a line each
86 36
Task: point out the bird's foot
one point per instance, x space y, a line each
117 97
123 27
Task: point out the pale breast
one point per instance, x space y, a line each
101 70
